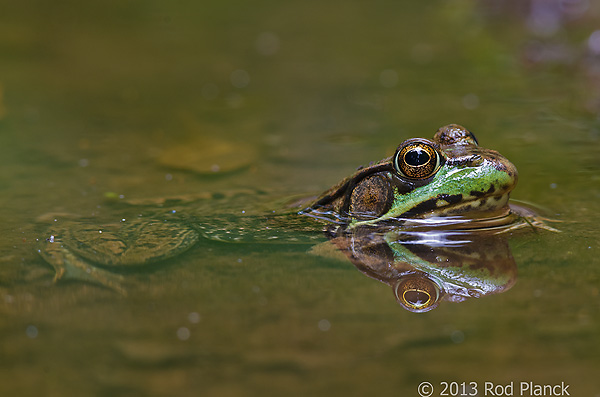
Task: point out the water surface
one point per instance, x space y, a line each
246 104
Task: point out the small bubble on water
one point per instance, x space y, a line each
553 186
243 211
194 318
422 53
173 211
31 331
100 231
470 101
457 336
183 333
51 239
267 43
324 325
239 260
121 196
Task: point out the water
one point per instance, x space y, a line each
135 101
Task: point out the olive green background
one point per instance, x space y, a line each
286 98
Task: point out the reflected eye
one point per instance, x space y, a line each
416 159
417 294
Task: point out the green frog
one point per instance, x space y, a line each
431 220
445 182
448 182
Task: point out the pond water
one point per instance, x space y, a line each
231 108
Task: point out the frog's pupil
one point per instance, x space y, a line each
417 298
417 157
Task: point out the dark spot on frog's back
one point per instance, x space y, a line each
503 167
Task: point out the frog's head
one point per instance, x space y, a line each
449 175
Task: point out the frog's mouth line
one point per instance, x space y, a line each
464 214
448 212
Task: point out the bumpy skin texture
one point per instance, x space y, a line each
466 179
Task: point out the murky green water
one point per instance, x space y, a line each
245 104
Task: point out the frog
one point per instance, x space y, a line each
431 220
449 181
449 177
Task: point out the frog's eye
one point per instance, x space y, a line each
416 159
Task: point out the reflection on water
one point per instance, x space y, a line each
426 268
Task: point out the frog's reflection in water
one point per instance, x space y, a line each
425 269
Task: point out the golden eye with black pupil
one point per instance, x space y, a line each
417 293
416 159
